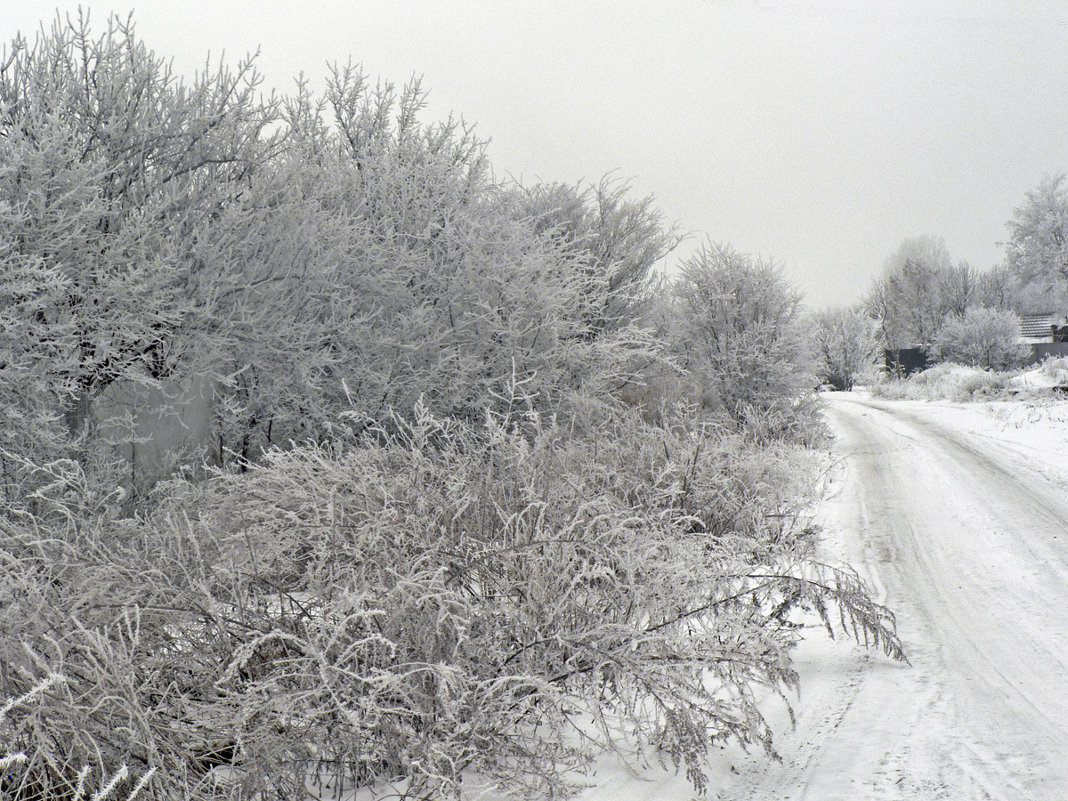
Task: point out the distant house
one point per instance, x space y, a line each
1036 329
1046 334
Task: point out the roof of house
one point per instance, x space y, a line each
1038 325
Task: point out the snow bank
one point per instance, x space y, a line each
959 382
1051 373
946 380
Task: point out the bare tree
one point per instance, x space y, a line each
998 289
960 284
919 289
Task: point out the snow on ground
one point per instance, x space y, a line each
958 516
1031 432
1052 374
825 667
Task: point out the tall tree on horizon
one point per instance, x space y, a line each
1037 250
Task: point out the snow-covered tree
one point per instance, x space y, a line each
356 259
382 265
109 167
1037 250
616 238
983 337
998 289
735 327
844 345
1038 232
918 290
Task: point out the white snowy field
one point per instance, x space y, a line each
957 515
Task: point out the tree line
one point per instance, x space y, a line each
924 299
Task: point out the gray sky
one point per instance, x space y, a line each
819 133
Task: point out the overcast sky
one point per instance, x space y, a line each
819 133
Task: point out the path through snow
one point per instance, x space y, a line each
966 539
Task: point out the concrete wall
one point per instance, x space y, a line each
1040 352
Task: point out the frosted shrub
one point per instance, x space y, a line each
613 238
1057 369
982 337
733 325
446 600
113 168
293 256
419 278
945 381
979 385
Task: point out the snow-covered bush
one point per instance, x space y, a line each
357 257
733 326
428 602
945 381
980 385
982 337
1056 369
375 263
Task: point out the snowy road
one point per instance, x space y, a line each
967 540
